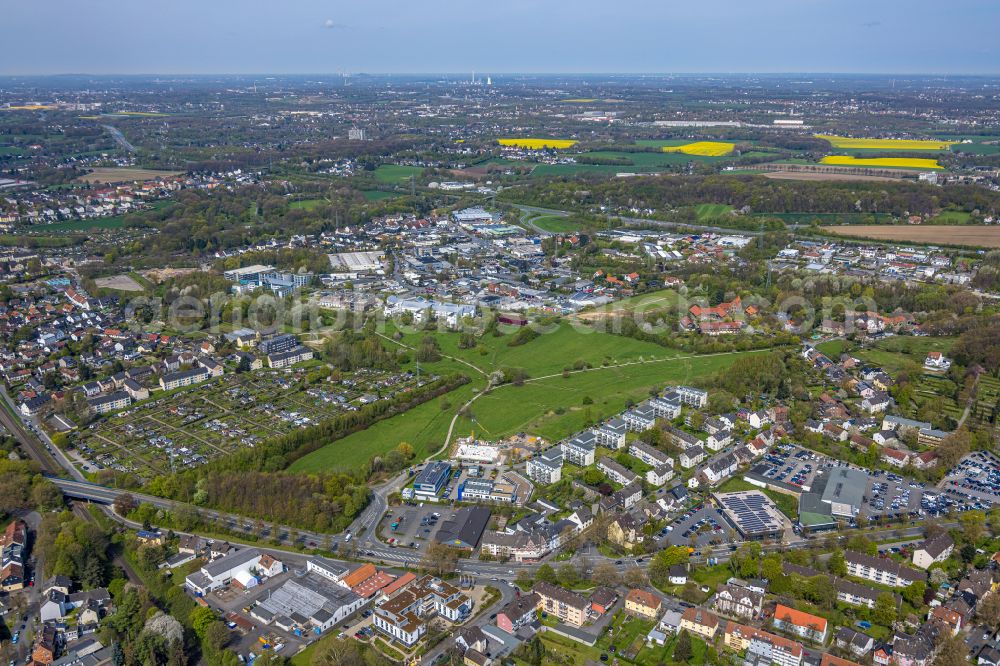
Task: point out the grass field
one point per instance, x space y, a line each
557 224
121 175
538 144
849 143
833 348
547 404
967 235
648 302
114 222
885 162
554 407
306 204
977 148
706 211
396 173
378 195
951 217
702 148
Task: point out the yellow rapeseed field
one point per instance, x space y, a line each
702 148
848 143
538 144
30 107
906 162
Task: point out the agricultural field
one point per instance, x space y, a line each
848 143
702 148
961 235
883 162
396 174
124 174
538 144
819 176
188 427
980 145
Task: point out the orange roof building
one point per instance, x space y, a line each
830 660
799 622
359 575
398 584
370 587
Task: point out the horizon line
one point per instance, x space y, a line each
485 74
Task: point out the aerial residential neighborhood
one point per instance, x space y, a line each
319 348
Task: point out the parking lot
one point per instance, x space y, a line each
705 523
893 496
790 467
231 602
414 524
975 481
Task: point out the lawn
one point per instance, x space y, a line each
833 348
951 217
306 204
706 211
378 195
396 173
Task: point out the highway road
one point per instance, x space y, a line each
120 138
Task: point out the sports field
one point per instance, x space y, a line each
849 143
123 175
538 144
929 234
884 162
557 224
706 211
396 173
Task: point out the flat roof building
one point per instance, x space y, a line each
845 491
465 528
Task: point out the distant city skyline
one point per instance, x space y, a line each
524 36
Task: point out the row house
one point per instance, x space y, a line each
881 570
616 472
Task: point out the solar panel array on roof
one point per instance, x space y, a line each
750 513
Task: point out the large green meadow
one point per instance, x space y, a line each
575 377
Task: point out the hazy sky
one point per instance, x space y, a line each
397 36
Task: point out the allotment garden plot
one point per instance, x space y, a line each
189 428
